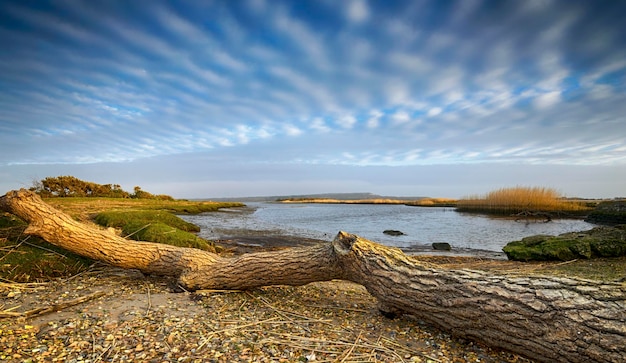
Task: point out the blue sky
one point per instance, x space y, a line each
241 98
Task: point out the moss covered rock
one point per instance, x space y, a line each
597 242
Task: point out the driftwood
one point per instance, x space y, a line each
53 308
546 318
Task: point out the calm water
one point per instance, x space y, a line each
422 226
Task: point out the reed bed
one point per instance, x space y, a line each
507 201
433 202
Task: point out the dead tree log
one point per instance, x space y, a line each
546 318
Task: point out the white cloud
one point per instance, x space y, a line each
346 121
434 111
448 79
258 5
401 31
181 27
229 61
320 125
292 130
358 11
305 86
416 64
396 92
601 91
374 121
400 117
548 99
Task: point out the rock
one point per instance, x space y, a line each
441 246
597 242
393 232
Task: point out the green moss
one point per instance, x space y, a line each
598 242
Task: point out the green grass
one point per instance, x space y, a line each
119 219
155 226
28 258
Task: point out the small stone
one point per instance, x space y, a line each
441 246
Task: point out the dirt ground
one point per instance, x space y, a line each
127 317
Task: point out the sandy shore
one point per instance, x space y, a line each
129 317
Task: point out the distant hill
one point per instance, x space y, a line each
337 196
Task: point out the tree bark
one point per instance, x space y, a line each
545 318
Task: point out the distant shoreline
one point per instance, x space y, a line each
421 202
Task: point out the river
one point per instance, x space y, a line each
421 225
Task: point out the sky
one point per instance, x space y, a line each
248 98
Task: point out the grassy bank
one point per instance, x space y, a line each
530 200
28 258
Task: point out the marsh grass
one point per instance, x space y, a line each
27 258
433 202
509 201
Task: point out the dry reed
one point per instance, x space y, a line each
519 199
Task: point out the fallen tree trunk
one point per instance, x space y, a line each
545 318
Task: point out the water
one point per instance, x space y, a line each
422 226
